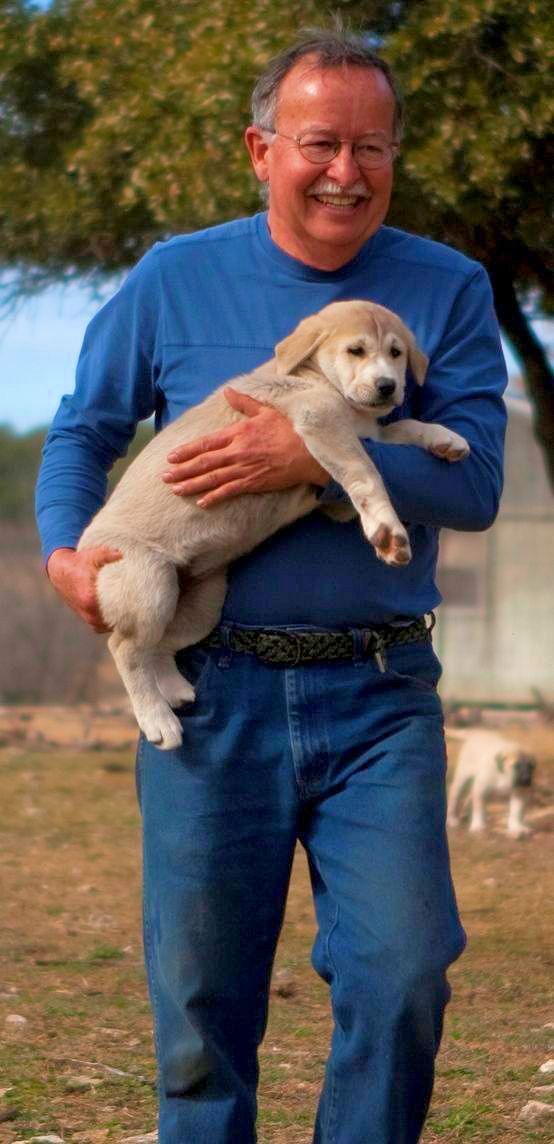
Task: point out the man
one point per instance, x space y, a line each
345 754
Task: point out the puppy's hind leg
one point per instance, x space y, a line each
458 785
138 600
198 611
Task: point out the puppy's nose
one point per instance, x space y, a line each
385 386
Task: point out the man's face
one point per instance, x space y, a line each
348 103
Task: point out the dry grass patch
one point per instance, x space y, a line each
71 965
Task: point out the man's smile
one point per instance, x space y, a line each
338 198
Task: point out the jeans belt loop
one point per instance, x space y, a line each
359 650
226 653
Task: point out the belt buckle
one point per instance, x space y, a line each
280 654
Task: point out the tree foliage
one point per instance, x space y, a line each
478 156
121 124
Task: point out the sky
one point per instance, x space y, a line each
39 347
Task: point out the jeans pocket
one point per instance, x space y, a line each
415 664
139 763
194 663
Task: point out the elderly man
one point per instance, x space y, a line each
342 752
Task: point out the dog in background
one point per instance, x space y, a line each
334 376
490 765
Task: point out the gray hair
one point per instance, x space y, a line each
331 49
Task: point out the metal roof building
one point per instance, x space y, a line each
495 628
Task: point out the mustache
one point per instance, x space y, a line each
323 186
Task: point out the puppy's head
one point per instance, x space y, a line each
520 765
363 349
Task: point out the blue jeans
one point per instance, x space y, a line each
351 762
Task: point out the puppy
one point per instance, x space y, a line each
490 765
334 376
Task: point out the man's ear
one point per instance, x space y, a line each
299 345
418 361
257 145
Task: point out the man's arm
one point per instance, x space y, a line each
463 390
114 389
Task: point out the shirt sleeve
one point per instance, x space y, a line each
463 391
115 388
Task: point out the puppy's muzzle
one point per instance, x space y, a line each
523 772
385 387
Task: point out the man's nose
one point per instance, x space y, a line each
343 167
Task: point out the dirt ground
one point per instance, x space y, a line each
73 1000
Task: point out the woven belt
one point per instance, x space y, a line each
290 648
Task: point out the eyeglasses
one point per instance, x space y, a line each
370 152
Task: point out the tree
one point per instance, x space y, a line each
478 157
121 122
120 125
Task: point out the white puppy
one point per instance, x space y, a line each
334 376
490 765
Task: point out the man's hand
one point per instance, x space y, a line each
73 575
261 453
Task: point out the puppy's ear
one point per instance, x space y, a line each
299 345
500 760
418 361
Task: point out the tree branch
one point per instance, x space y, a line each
537 374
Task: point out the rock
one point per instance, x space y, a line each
544 1088
92 1136
547 1067
536 1110
82 1083
40 1140
16 1019
149 1138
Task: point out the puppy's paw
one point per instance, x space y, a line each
161 727
450 446
477 828
519 831
452 821
390 541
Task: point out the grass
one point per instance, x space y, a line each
71 964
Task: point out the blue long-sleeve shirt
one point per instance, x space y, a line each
200 309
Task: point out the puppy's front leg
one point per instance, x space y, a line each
436 439
333 442
478 821
516 825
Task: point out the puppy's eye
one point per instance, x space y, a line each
358 351
395 352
